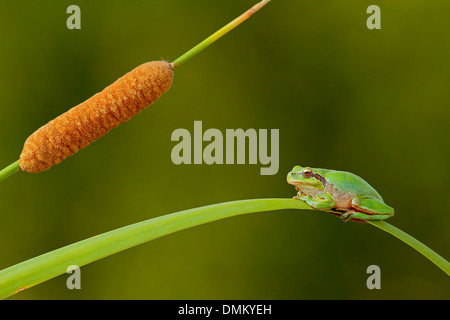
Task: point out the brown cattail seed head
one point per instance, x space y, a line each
92 119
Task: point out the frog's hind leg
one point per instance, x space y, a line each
372 205
368 208
362 217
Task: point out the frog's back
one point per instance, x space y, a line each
350 183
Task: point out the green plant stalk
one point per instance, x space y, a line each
218 34
54 263
9 170
49 265
414 243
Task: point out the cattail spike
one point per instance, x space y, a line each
92 119
85 123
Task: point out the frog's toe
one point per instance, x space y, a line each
346 216
298 196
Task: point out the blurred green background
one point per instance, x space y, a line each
373 102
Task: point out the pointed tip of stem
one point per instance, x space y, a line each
256 7
218 34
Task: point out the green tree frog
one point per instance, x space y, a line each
345 193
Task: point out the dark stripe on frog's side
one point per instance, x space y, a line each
343 201
321 179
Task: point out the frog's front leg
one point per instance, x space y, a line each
368 208
322 201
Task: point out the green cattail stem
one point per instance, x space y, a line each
9 170
218 34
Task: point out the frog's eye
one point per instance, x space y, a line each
307 173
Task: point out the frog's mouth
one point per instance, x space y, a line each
318 182
312 183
